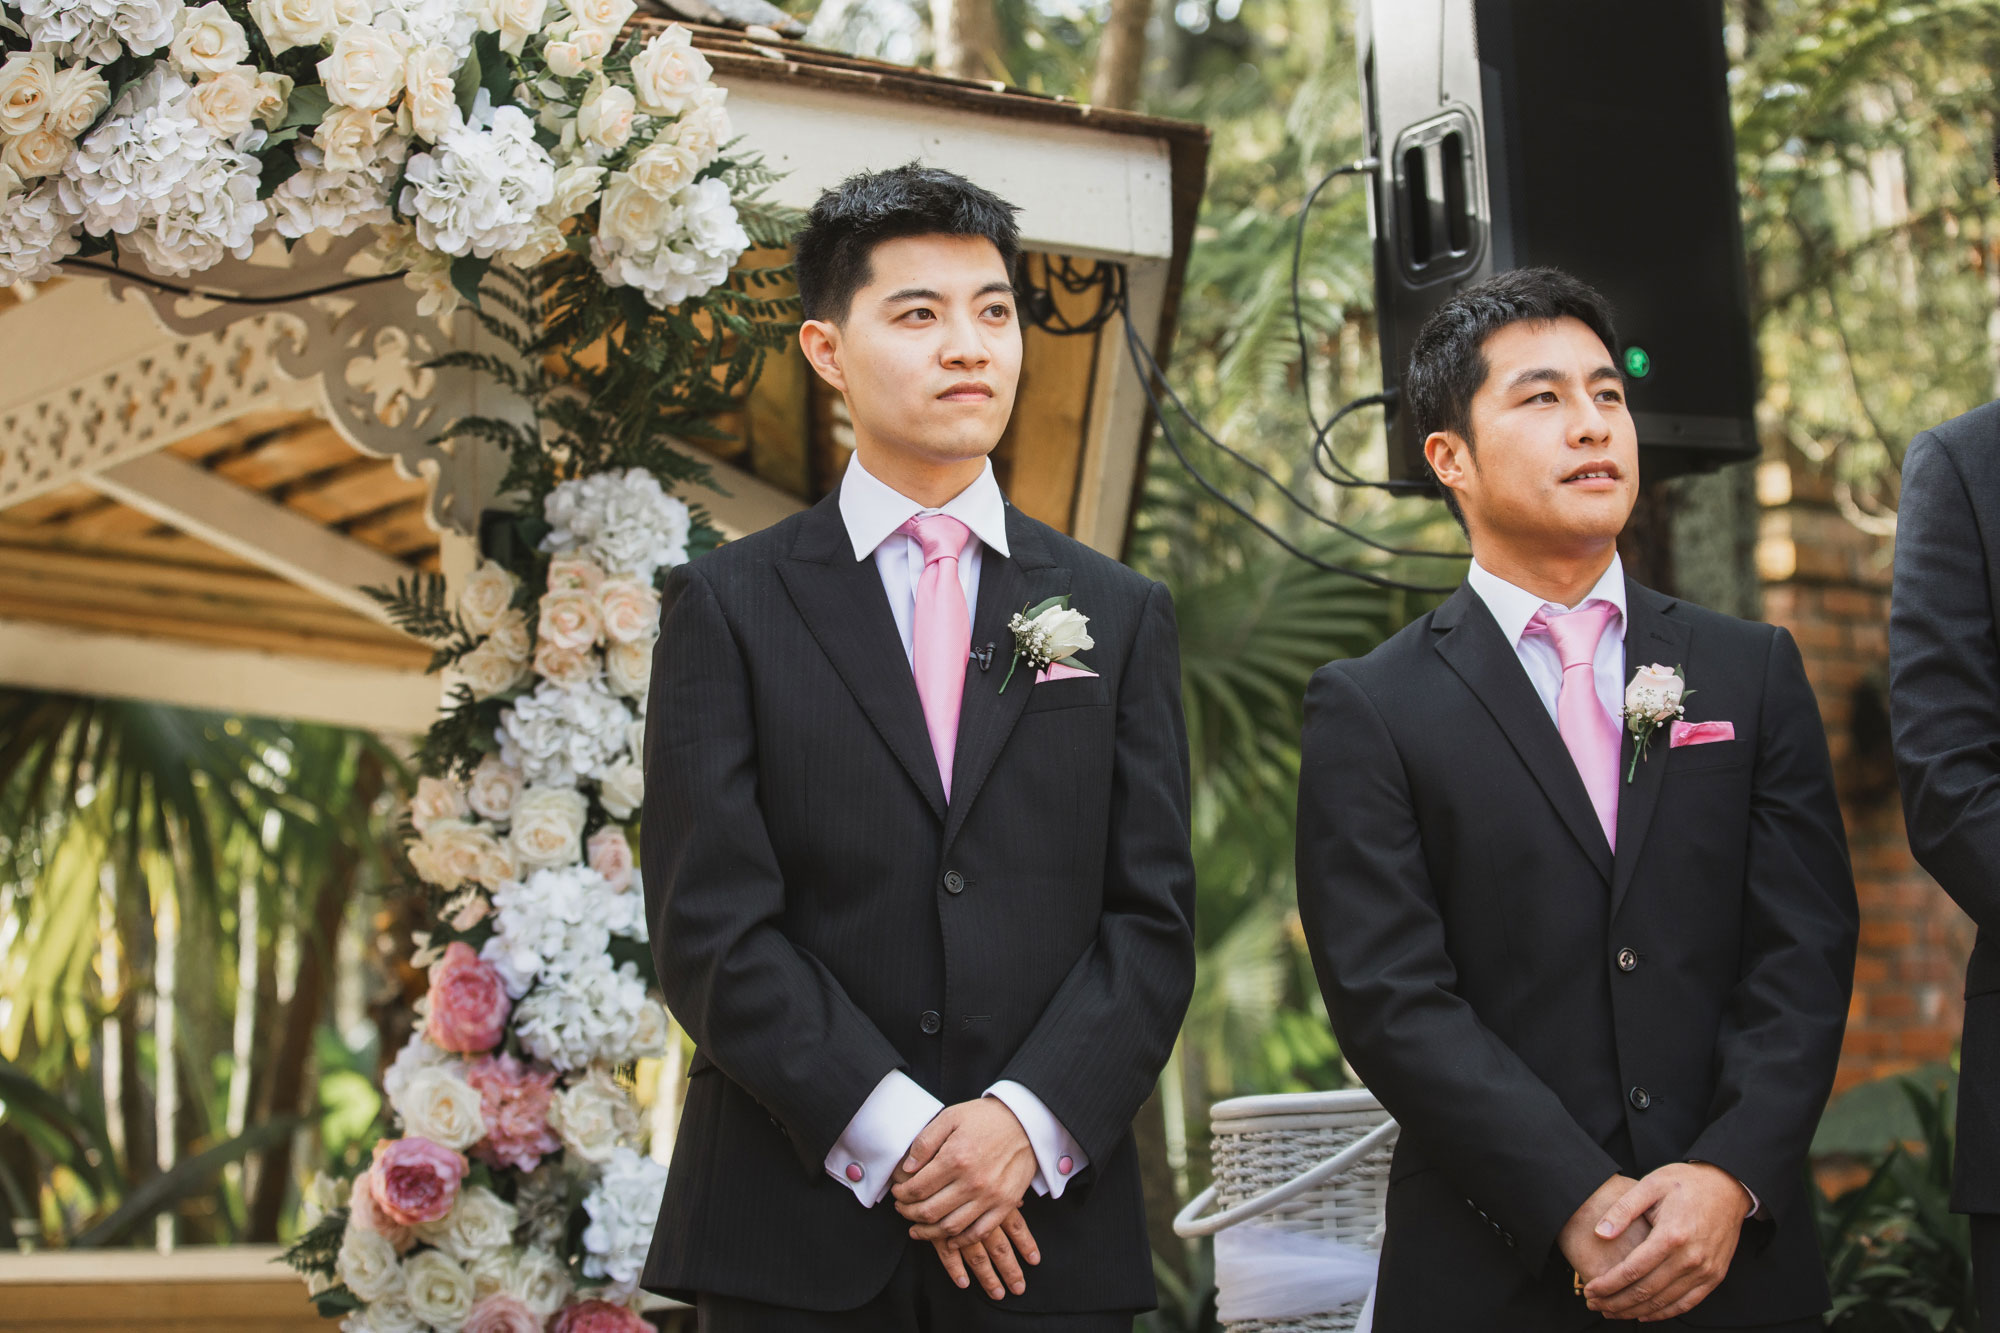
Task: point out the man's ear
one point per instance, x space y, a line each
1450 457
819 339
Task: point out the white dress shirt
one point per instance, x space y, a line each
1514 607
896 1112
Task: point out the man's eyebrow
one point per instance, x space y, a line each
1606 372
996 286
1539 375
912 294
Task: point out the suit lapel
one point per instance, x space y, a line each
843 604
1651 635
986 717
1470 641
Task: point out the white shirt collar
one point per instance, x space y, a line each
873 510
1514 607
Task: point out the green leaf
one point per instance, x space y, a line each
465 86
466 273
1039 607
496 71
308 107
188 1177
278 167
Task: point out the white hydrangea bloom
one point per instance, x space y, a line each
215 212
700 242
623 1209
626 522
338 203
447 23
36 234
548 922
478 191
588 1014
560 736
100 30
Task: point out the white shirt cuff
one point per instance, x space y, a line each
1058 1157
869 1150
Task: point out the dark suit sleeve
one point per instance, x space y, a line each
1096 1052
1945 684
1781 1033
770 1016
1377 938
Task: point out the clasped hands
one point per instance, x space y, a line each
960 1186
1654 1249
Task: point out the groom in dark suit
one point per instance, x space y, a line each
917 872
1600 978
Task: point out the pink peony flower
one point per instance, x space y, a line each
414 1180
363 1212
598 1317
611 856
501 1313
515 1102
469 1003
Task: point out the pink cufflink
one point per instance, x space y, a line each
1065 1166
854 1172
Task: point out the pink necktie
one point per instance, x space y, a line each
942 633
1590 733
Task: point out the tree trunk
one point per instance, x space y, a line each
1121 55
317 952
967 36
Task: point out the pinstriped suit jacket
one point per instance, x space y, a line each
820 916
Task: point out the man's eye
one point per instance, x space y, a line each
1612 396
1545 396
999 311
919 313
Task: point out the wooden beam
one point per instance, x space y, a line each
246 524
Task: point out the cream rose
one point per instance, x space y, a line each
510 635
604 16
667 73
368 1264
632 214
622 788
391 1314
489 670
226 105
347 134
548 827
663 168
274 97
208 41
629 667
37 153
539 1281
78 97
365 70
568 573
609 853
433 100
440 1106
565 59
567 667
704 127
576 190
605 119
289 23
479 1224
347 13
436 798
495 786
570 619
593 1116
487 594
630 610
440 1292
453 851
26 82
516 21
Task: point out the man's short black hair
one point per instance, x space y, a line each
850 220
1448 360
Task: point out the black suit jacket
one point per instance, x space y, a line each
1944 705
1540 1015
820 916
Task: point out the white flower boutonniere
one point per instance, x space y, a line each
1653 697
1048 632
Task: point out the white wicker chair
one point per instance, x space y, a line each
1316 1163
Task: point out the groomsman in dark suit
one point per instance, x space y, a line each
1600 978
916 843
1944 705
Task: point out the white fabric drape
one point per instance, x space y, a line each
1265 1273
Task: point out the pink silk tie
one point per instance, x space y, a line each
1589 732
941 634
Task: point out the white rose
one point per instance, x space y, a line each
78 96
516 21
436 798
433 99
367 1264
548 827
622 788
629 667
667 73
568 573
226 105
609 852
365 70
347 136
208 42
539 1281
495 786
391 1314
570 619
1655 693
289 23
348 13
605 120
632 214
452 852
704 127
603 16
510 635
593 1116
630 610
663 168
490 671
1067 632
26 82
37 153
440 1291
576 190
479 1224
567 667
440 1106
565 59
488 592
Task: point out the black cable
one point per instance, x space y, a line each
226 298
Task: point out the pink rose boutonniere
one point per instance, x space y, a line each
1652 699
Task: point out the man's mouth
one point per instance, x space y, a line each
1593 472
968 392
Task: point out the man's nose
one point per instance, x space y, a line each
964 344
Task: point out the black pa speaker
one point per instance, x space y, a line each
1592 135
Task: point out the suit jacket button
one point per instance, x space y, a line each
954 882
930 1022
1627 960
1640 1098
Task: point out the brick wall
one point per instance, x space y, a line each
1827 581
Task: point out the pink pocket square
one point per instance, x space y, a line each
1060 671
1700 733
